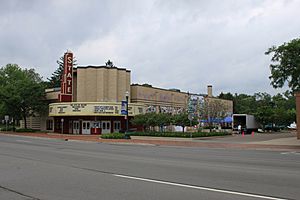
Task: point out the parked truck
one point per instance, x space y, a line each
247 123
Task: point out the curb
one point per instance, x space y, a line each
149 142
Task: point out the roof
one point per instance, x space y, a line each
98 67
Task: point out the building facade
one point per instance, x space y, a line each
91 100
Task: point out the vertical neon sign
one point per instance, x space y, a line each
67 79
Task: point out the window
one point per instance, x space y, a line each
117 125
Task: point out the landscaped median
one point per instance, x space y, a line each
164 134
113 136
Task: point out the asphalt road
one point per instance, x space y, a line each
33 169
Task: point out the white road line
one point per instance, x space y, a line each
199 188
26 141
289 153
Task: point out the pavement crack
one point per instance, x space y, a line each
19 193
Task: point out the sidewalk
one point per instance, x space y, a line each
233 142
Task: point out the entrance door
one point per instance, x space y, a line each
86 127
75 127
117 126
105 126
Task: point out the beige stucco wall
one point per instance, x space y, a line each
151 96
228 104
52 94
157 97
37 122
102 84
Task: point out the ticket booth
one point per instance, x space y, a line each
96 128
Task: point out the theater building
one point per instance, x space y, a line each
92 100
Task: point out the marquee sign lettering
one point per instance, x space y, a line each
67 79
93 109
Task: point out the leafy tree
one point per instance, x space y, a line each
278 110
140 120
227 96
163 119
285 67
213 110
148 120
244 104
55 79
182 120
284 108
264 108
22 92
109 63
151 120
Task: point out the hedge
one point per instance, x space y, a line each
28 130
179 134
7 129
114 136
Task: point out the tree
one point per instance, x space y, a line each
284 108
55 79
22 92
213 111
140 120
182 120
163 119
264 113
278 110
244 104
227 96
285 67
148 120
109 63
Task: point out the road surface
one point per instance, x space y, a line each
41 169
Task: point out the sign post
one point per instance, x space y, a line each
190 117
62 125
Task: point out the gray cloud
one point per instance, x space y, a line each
170 44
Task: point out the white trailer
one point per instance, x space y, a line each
247 122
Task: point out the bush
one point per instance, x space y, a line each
7 129
114 136
179 134
27 130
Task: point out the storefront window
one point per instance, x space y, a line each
117 125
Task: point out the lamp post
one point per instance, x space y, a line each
62 125
127 120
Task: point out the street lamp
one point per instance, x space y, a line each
62 125
127 96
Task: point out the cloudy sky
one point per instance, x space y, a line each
184 44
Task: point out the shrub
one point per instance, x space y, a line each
7 129
27 130
114 136
179 134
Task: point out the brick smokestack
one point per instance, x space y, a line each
209 91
